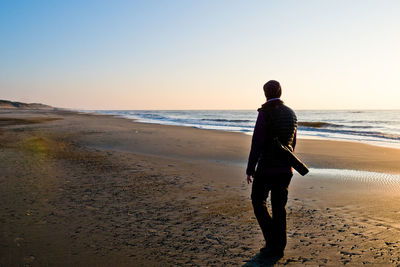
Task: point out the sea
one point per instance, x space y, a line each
376 127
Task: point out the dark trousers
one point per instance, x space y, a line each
273 227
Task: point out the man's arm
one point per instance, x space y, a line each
294 140
257 144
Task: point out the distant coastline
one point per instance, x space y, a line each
7 104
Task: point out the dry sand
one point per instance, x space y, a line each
90 190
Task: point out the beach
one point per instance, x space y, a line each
97 190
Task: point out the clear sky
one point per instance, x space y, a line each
214 54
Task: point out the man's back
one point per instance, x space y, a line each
279 121
274 120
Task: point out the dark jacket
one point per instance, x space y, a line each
274 120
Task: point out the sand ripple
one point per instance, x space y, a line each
384 179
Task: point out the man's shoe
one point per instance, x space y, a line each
276 254
270 253
265 249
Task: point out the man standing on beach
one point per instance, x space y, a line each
273 174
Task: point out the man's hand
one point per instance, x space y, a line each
249 180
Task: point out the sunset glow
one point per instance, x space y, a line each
200 54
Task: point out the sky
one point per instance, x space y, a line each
206 54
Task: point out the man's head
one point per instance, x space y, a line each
272 89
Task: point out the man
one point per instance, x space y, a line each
273 173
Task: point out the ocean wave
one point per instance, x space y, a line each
226 120
222 124
152 116
320 124
317 124
373 134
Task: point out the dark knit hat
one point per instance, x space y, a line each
272 89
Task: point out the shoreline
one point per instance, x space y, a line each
352 156
306 149
79 189
309 137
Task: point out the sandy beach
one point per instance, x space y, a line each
96 190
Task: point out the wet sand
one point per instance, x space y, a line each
91 190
